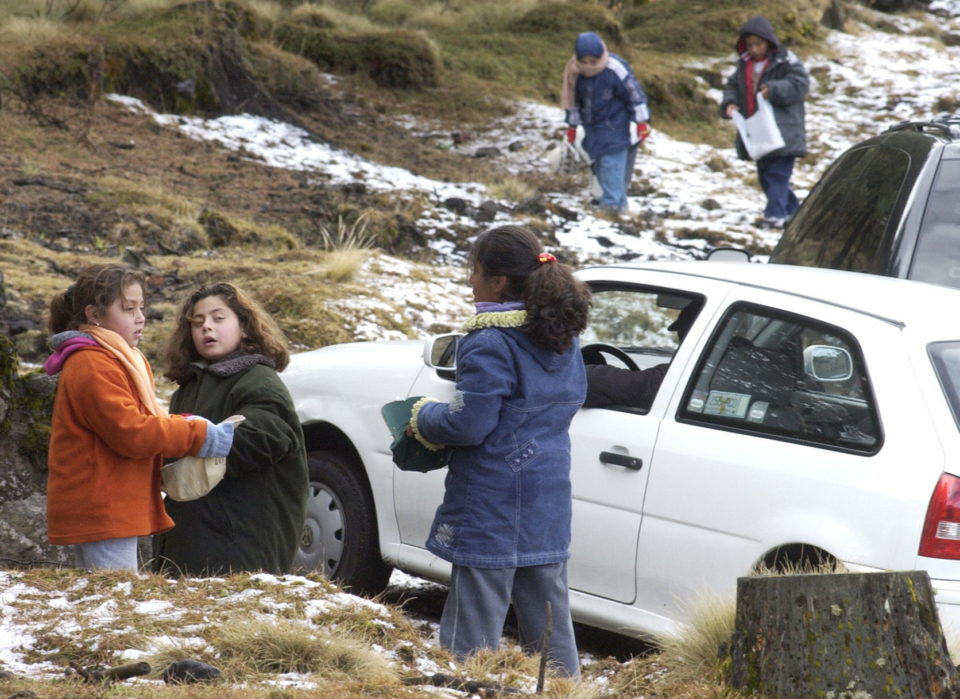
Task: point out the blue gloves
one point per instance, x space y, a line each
219 439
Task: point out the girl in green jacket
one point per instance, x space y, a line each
225 354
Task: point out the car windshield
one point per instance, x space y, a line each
937 257
946 362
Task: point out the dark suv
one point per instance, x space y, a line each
889 205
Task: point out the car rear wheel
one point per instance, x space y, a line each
339 536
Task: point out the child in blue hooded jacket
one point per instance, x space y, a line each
505 518
600 92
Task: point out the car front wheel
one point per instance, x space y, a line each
339 536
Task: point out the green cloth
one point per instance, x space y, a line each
408 453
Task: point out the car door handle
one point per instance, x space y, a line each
609 457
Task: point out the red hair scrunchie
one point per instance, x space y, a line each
545 257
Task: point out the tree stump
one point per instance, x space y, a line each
840 635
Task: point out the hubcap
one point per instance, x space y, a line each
321 541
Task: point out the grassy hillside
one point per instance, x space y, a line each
84 179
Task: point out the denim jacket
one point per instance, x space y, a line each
508 497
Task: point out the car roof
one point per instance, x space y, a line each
896 300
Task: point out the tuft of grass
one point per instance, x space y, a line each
511 189
343 265
696 653
27 32
283 646
347 236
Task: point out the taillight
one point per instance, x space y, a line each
941 529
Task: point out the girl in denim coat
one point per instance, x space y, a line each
505 518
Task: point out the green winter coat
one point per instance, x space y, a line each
252 520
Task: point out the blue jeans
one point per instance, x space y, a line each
613 176
774 175
477 605
109 554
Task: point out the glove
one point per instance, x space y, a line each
219 439
643 131
572 134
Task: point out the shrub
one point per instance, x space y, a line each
572 19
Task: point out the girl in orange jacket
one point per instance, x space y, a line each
108 434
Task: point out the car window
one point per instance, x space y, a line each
630 341
937 255
946 362
636 320
784 376
842 224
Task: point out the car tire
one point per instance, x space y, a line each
339 536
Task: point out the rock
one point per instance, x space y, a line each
833 16
515 146
710 204
563 212
189 672
456 205
27 402
487 152
354 188
531 205
486 212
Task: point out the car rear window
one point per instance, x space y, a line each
842 224
946 362
937 255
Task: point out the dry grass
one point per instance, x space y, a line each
347 236
511 189
261 632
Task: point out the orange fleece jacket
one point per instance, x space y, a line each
105 453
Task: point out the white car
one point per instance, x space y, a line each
809 415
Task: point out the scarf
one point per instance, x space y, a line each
133 361
573 70
235 363
750 68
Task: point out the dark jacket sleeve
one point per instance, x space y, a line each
610 385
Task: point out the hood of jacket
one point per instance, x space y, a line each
63 345
549 360
757 26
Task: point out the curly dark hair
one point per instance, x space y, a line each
557 303
261 333
96 285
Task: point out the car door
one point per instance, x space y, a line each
612 446
756 456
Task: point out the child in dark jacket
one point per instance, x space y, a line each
225 354
505 518
600 92
767 68
108 433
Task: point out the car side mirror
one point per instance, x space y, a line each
440 353
827 363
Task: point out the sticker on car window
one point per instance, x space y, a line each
727 404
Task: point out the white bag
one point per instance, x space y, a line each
759 133
193 477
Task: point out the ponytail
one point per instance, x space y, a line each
557 303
